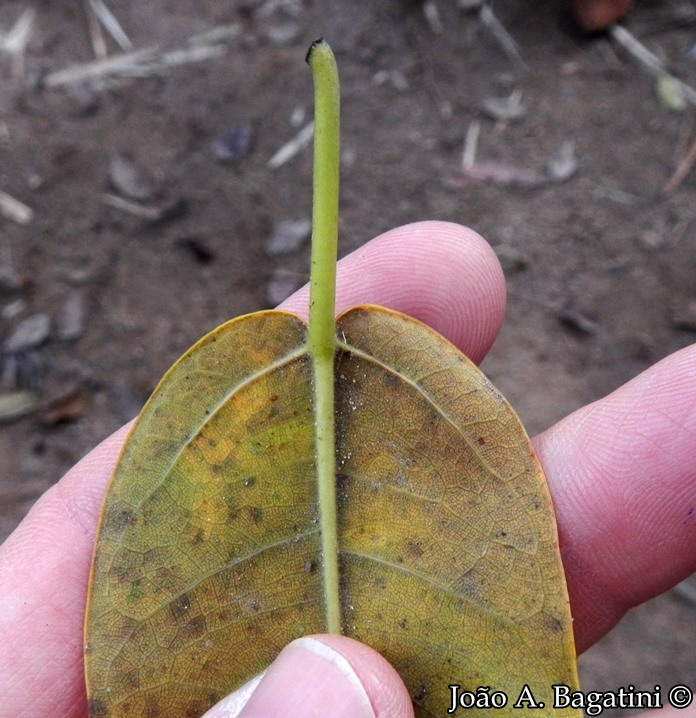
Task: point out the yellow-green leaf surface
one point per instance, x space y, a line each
209 556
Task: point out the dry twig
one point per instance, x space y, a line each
432 15
96 35
111 24
651 62
685 166
14 42
14 209
471 144
291 148
504 38
142 63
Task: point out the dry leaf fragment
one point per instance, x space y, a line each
68 407
502 175
17 404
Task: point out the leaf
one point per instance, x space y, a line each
357 474
208 560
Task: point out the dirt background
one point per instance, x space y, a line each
600 266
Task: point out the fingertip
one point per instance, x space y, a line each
598 15
385 690
441 273
322 675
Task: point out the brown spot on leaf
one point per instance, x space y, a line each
413 549
97 707
196 627
119 519
555 625
180 606
153 709
391 381
420 693
131 679
198 537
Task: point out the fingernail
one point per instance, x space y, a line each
232 705
309 679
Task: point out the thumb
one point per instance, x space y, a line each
318 676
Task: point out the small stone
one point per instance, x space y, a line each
70 321
287 236
13 309
130 180
564 163
577 321
233 145
10 281
505 109
29 333
669 93
651 239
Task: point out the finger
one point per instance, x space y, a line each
597 15
324 675
441 273
44 569
622 474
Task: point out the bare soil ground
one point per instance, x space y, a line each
601 266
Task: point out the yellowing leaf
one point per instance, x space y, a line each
209 556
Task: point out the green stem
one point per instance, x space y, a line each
322 282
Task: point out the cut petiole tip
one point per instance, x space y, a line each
315 43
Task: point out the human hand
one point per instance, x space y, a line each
621 473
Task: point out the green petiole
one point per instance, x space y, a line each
322 282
